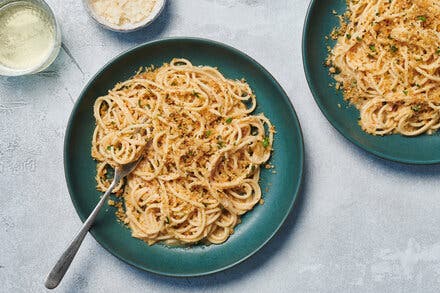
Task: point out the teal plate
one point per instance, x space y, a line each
280 189
320 21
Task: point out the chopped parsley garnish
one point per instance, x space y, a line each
195 94
220 144
229 120
167 220
372 48
415 108
348 36
422 18
139 103
109 148
265 142
109 173
393 49
405 92
208 133
358 39
438 51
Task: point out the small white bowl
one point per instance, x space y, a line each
158 8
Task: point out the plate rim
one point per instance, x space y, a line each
285 97
312 86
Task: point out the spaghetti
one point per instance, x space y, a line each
387 61
201 172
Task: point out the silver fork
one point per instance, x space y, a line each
57 273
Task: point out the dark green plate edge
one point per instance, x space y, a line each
297 125
307 71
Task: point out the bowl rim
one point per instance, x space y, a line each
157 10
316 97
285 97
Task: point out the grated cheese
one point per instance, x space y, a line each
122 12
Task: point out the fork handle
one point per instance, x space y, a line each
59 270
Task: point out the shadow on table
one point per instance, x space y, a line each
148 33
244 269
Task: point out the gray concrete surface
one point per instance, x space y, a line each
362 224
